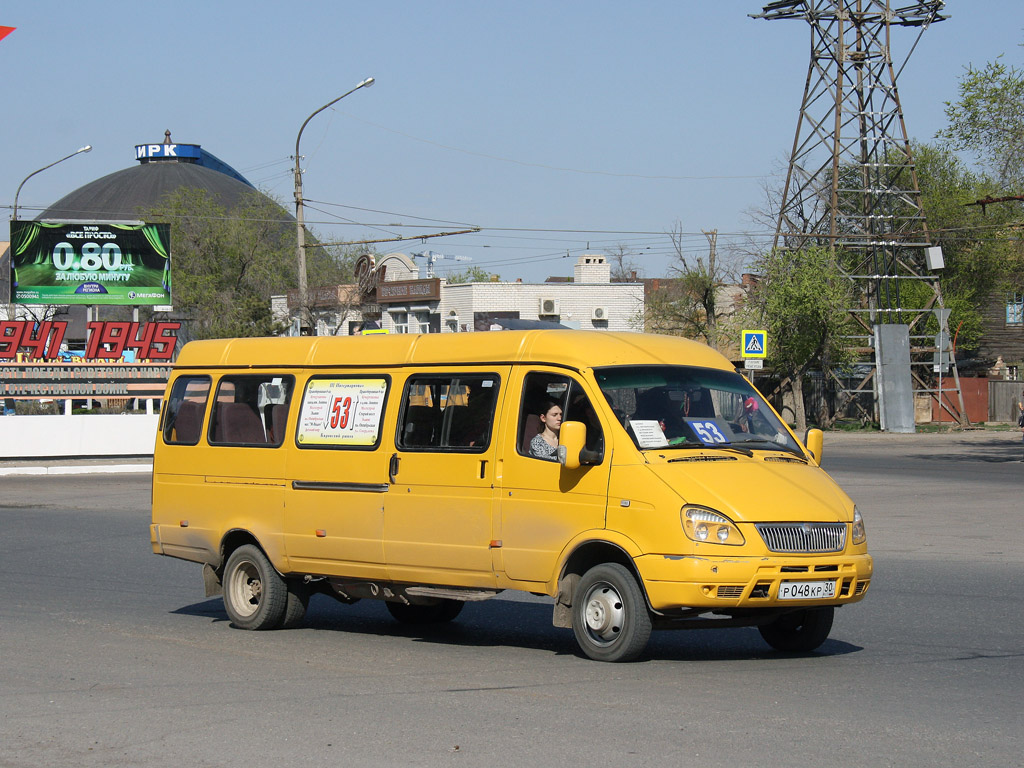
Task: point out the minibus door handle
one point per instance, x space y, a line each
393 468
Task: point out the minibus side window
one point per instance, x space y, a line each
183 413
542 392
448 413
251 410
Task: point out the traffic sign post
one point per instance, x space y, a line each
755 344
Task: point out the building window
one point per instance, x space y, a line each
420 322
1015 310
401 321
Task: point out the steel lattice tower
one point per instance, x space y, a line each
851 183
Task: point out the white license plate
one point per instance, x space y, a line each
807 590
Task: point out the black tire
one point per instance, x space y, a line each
799 631
609 614
437 613
255 595
296 604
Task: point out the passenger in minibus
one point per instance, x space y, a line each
544 445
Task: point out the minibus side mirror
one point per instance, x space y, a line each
572 437
814 440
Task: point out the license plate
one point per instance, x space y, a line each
807 590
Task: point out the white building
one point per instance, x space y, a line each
395 298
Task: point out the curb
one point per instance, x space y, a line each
75 470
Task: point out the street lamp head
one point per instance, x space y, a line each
86 148
366 83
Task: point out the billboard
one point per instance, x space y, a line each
90 263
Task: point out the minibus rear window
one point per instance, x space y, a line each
251 410
184 411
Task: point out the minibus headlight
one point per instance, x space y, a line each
704 525
858 534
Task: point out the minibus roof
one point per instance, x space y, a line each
575 349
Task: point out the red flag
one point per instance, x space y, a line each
5 31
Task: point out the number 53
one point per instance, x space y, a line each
708 432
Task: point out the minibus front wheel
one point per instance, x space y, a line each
255 595
799 631
609 614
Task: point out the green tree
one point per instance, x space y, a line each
988 119
473 274
226 264
980 248
802 299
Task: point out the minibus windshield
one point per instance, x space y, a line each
676 406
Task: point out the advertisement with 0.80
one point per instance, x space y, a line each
90 263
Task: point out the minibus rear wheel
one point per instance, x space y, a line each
296 604
609 614
255 595
437 613
799 631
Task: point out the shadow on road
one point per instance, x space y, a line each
993 451
509 623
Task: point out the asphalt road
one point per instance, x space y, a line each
110 656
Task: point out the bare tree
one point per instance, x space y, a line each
623 265
687 303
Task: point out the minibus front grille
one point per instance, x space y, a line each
730 590
804 538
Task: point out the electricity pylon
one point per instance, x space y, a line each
852 184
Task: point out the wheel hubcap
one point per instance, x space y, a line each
603 613
247 588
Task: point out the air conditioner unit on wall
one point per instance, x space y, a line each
548 306
599 313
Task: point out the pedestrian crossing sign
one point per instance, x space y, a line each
755 343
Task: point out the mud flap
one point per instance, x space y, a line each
211 581
562 616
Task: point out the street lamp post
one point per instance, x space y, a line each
14 215
299 220
80 150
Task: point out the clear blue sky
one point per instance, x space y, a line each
609 118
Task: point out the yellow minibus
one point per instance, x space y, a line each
638 480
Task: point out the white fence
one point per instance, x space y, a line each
85 435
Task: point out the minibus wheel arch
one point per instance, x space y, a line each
232 540
586 556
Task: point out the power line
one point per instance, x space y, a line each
544 166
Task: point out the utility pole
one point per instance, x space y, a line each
711 301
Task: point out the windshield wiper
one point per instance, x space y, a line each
713 446
776 446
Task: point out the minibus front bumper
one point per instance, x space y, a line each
680 582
